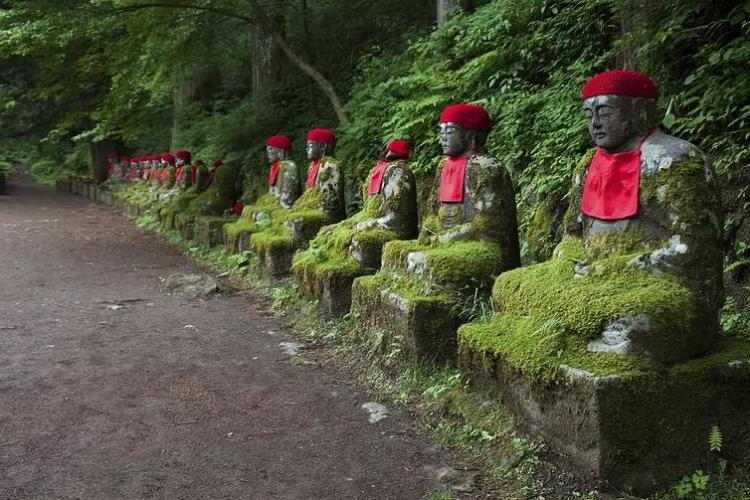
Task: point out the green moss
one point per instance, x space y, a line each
613 243
468 263
395 253
729 358
411 289
312 199
537 348
219 196
275 235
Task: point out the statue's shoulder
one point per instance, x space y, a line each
579 174
660 151
486 170
399 168
329 162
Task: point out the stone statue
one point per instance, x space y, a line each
353 247
639 271
322 203
283 191
182 169
113 167
469 235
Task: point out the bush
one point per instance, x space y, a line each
46 172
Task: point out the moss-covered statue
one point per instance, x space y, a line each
283 190
637 278
469 235
353 247
217 199
113 167
321 204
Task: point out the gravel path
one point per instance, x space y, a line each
109 389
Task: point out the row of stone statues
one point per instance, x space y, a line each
609 351
639 270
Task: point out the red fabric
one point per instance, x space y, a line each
273 173
165 175
620 82
183 154
312 173
124 159
110 171
399 148
467 115
178 175
238 207
610 191
218 163
452 179
279 141
168 158
376 177
321 135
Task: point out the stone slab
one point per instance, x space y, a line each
277 261
209 231
427 324
636 433
334 292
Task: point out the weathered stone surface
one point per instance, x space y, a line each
426 323
209 231
189 285
634 432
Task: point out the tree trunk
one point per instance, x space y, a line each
99 152
266 63
443 8
182 96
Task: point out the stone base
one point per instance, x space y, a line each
106 197
209 231
635 433
185 224
277 261
428 324
334 292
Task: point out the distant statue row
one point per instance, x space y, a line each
638 273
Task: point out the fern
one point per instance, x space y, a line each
715 439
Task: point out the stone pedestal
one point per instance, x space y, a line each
426 323
334 291
635 432
185 224
276 261
105 196
209 231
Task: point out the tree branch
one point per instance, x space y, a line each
266 23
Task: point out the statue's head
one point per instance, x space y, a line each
396 150
278 148
182 157
464 128
112 159
620 107
320 142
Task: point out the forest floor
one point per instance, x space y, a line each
110 389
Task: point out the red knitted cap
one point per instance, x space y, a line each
321 135
279 141
112 155
124 159
467 115
620 82
218 163
400 148
169 158
182 154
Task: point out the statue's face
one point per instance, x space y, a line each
455 140
275 154
179 162
616 122
316 150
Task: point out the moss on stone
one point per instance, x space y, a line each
219 196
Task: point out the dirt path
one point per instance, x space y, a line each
102 401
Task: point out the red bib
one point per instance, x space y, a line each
376 177
110 171
178 175
273 174
452 179
610 191
312 173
